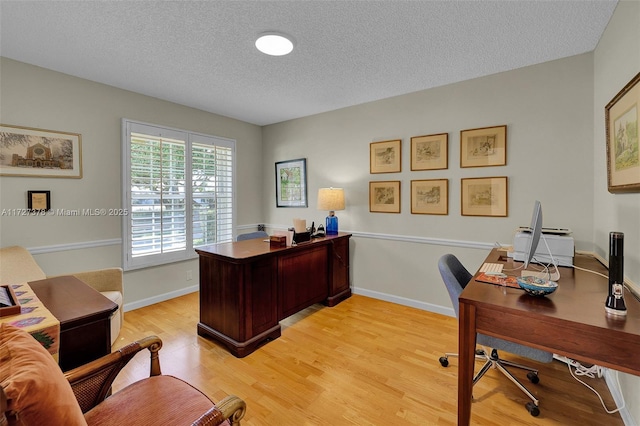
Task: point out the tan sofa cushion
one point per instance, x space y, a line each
158 400
17 266
36 389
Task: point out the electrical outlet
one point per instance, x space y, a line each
189 275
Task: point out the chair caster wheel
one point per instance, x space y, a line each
532 409
444 361
533 378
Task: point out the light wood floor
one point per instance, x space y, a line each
362 362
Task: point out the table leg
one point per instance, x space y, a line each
466 351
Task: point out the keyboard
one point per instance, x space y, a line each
491 267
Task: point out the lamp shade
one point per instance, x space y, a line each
331 199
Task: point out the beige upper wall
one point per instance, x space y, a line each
40 98
616 62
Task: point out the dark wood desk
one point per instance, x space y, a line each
571 322
247 287
84 315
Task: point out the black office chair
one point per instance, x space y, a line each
252 235
456 277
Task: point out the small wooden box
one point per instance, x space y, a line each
278 241
14 309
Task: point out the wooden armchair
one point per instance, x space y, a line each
35 391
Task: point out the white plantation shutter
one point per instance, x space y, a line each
178 188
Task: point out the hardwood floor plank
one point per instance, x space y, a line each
362 362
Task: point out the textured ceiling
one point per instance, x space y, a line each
201 53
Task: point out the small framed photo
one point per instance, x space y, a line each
430 152
25 151
39 201
430 196
623 156
385 156
291 183
483 147
485 196
384 197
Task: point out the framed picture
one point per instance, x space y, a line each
26 151
430 152
621 122
385 157
291 183
39 200
384 197
483 147
430 196
485 196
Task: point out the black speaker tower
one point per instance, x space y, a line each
615 301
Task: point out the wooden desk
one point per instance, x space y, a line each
571 322
84 315
246 287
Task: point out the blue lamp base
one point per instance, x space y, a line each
331 225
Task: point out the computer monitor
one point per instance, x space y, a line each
536 230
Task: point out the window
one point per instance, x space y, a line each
178 189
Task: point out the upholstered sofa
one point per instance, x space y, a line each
34 391
18 266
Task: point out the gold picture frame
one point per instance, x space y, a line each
430 196
385 156
39 201
622 115
430 152
483 147
486 196
31 152
384 196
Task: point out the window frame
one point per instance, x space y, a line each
189 138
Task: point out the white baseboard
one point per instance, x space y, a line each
160 298
404 301
611 378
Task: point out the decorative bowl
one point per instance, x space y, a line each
537 286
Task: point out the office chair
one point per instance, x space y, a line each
456 277
252 235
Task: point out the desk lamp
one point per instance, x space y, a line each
331 199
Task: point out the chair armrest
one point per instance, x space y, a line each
108 279
91 382
231 408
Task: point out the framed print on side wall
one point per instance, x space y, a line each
430 152
25 151
485 196
385 156
483 147
430 196
384 197
621 121
291 183
39 201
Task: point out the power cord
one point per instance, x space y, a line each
591 372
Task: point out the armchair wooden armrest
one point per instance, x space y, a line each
91 383
230 408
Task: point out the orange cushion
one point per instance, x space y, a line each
36 389
157 400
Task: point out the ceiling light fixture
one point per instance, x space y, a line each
274 44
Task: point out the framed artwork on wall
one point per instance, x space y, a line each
291 183
430 152
485 196
385 156
384 197
30 152
39 201
623 156
430 196
483 147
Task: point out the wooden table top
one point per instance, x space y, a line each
580 296
250 249
72 301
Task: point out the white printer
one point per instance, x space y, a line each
560 244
